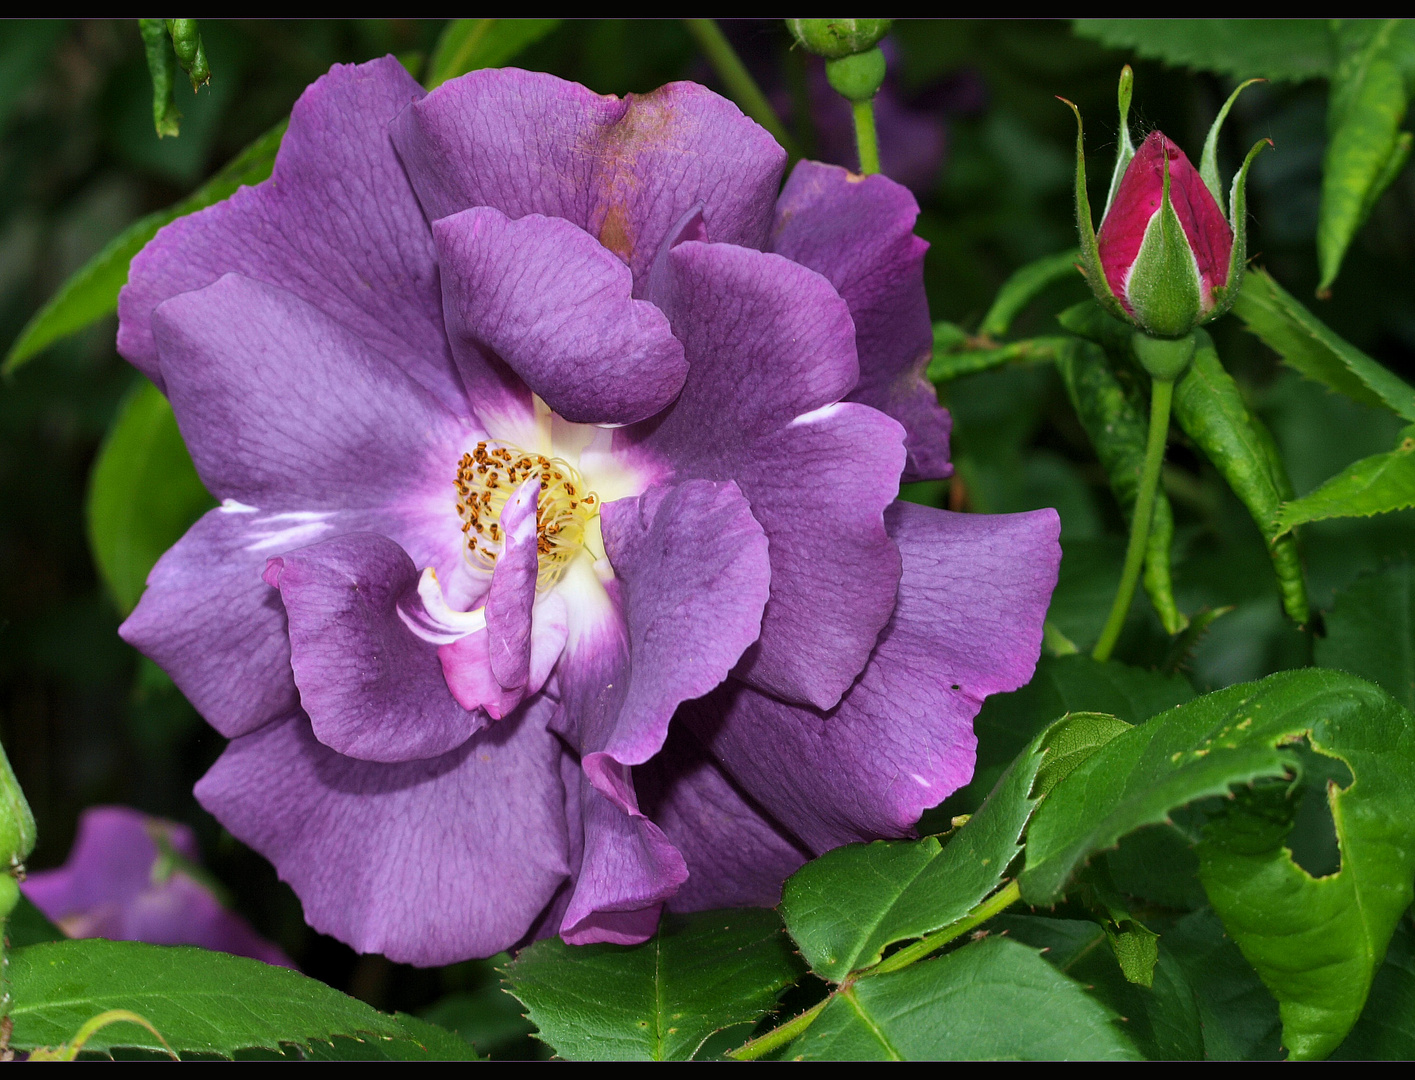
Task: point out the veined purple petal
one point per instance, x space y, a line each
466 662
373 689
859 232
427 862
735 853
771 351
331 425
628 869
972 598
513 590
336 224
624 170
556 306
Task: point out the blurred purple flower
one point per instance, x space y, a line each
121 882
539 421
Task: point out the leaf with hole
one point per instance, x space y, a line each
1316 942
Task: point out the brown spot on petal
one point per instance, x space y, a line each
615 232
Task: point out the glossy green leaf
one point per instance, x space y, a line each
1024 286
1378 484
92 292
1315 942
1308 345
1061 685
202 1002
1371 631
845 908
995 999
1163 1019
143 495
489 1018
1270 48
1118 431
1386 1030
1365 147
1210 408
469 44
660 1000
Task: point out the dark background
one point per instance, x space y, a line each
85 723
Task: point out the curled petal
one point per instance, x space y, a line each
373 689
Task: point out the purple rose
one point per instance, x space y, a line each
122 882
537 415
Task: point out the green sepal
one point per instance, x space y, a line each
1165 289
1124 149
162 67
1090 250
17 831
1208 164
1225 294
191 54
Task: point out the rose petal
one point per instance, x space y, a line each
972 599
285 409
859 232
623 170
373 689
551 302
428 862
336 224
771 351
513 589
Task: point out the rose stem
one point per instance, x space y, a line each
865 140
1161 393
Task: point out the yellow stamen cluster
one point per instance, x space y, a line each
490 475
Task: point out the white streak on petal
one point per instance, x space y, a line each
816 415
435 620
231 506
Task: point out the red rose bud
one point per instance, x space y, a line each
1164 264
1166 258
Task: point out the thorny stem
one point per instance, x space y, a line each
865 139
779 1037
995 904
738 80
1161 394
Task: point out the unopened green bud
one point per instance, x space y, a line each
836 38
858 77
16 820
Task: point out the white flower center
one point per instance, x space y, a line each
489 475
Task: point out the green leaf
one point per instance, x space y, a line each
1365 147
846 907
658 1001
1210 408
1315 942
989 1000
1306 344
1378 484
1386 1030
952 365
1024 286
92 292
1118 431
1371 631
1237 1015
1163 1019
202 1002
1272 48
143 495
469 44
28 925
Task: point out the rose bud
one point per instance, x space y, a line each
1167 259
